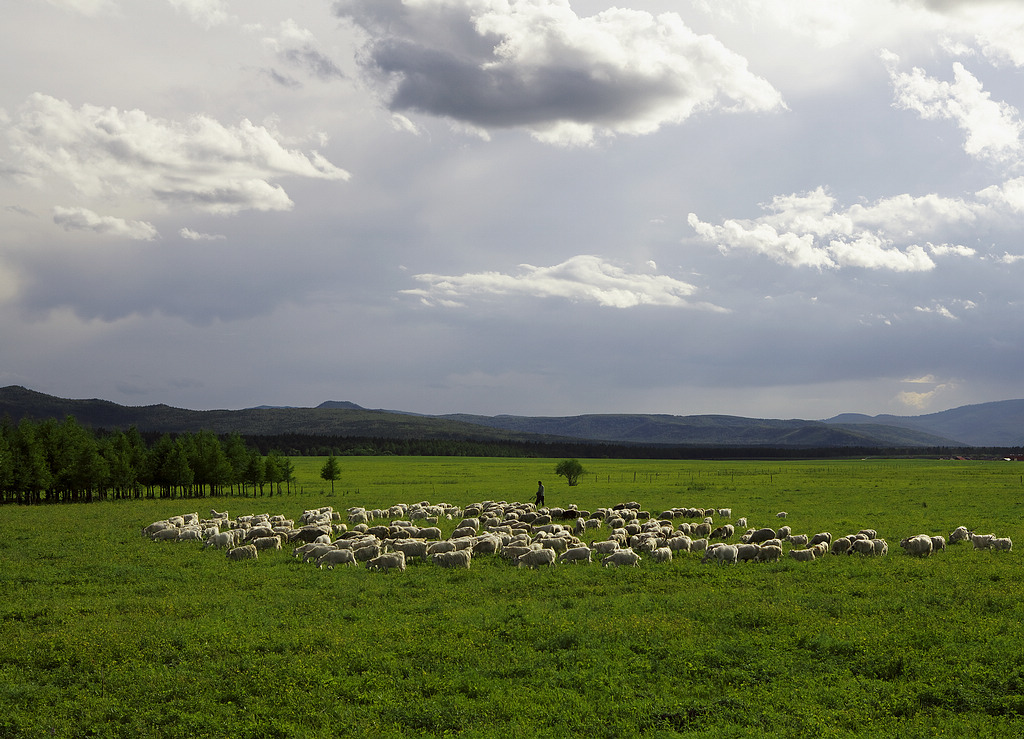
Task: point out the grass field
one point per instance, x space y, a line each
105 633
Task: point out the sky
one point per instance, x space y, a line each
763 208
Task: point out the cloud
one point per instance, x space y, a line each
206 13
535 64
992 128
200 163
188 233
939 309
920 399
582 278
995 26
807 230
297 47
86 7
83 219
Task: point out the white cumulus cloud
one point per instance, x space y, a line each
808 230
992 129
83 219
199 163
583 278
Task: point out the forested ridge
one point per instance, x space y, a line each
62 461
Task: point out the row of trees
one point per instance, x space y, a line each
51 462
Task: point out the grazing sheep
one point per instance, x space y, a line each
959 534
919 546
223 540
387 562
679 543
576 554
244 552
768 553
699 545
803 555
722 553
336 557
797 540
880 547
460 558
824 536
722 532
784 532
168 534
438 547
1002 544
622 558
487 545
662 554
266 542
781 514
862 546
841 545
725 512
605 547
758 536
938 544
190 535
870 533
537 557
317 552
747 552
982 541
411 548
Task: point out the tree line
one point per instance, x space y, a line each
54 461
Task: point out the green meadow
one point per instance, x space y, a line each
105 633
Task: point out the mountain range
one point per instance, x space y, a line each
999 424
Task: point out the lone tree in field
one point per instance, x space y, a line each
570 469
331 471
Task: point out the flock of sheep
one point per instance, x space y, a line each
387 539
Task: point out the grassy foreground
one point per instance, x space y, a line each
105 633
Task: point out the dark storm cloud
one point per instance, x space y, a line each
542 67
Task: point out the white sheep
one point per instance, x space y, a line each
781 514
223 540
804 555
662 554
244 552
1002 544
747 552
537 557
387 561
722 553
336 557
841 545
576 554
919 546
605 547
959 534
460 558
768 553
622 558
982 541
266 542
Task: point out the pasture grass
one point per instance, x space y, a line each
105 633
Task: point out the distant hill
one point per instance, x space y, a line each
346 419
998 424
712 430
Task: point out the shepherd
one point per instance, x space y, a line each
539 502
